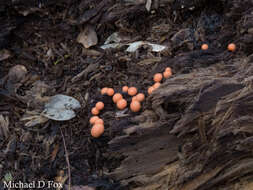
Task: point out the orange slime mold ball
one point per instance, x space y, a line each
151 89
125 88
156 85
116 97
97 130
94 111
104 90
100 105
110 92
122 104
158 77
99 121
231 47
135 106
132 91
204 47
93 119
140 97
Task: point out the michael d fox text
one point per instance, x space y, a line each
30 185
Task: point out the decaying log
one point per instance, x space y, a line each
156 145
209 110
200 136
205 113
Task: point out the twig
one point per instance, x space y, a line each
67 160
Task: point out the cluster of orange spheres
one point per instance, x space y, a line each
135 106
231 47
158 77
120 102
98 124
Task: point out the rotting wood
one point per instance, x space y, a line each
219 161
157 146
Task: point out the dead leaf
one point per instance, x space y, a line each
112 45
88 37
39 88
132 47
117 37
85 72
33 118
250 30
61 178
34 97
149 61
11 145
4 126
26 12
54 153
4 54
17 73
148 5
136 45
60 108
91 52
183 36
